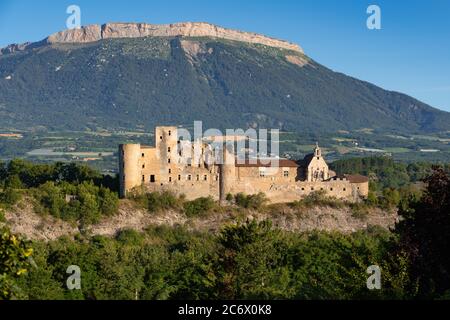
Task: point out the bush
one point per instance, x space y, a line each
130 236
199 206
360 210
318 198
10 196
157 201
14 254
252 201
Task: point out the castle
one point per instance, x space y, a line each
197 169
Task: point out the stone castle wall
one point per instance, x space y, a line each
165 167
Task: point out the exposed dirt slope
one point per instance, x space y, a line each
23 220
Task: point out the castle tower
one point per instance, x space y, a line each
227 175
166 143
129 175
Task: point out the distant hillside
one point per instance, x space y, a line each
139 82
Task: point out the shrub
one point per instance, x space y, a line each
109 202
360 210
10 196
252 201
157 201
199 206
14 254
130 236
318 198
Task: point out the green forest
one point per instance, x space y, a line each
249 260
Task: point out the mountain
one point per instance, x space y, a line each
127 76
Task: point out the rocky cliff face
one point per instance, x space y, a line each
94 33
22 219
186 29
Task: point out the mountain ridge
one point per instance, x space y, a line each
95 32
139 82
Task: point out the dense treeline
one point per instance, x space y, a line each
65 190
384 172
252 260
20 173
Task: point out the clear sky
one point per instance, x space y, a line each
410 54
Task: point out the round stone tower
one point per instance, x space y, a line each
227 172
129 175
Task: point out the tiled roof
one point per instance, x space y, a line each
258 163
356 178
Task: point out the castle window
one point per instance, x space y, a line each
168 149
170 170
262 172
317 158
143 155
312 188
143 178
286 173
217 178
189 177
179 177
303 189
206 178
331 189
143 166
168 160
344 189
198 177
170 179
160 137
170 132
152 178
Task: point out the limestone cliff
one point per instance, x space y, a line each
94 33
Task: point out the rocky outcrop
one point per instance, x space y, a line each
185 29
14 48
23 220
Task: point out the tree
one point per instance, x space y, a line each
425 235
14 254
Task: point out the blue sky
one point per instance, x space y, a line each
410 54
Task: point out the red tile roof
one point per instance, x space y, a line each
258 163
356 178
